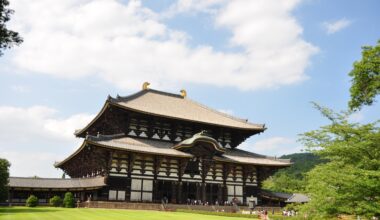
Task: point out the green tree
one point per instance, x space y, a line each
8 38
349 183
4 176
68 201
55 201
32 201
365 77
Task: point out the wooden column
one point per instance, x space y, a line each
197 195
203 191
10 196
174 192
179 190
220 193
155 191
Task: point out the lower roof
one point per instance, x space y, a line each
158 147
55 183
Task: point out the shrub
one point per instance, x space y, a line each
32 201
55 201
68 201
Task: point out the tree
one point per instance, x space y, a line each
55 201
68 201
4 176
32 201
365 77
8 38
349 183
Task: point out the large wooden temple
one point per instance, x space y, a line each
154 145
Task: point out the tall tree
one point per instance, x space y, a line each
365 77
349 183
4 176
8 38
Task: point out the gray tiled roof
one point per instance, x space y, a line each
247 157
175 106
159 147
143 145
298 198
278 195
55 183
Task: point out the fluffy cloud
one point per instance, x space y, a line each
126 44
335 26
34 138
273 146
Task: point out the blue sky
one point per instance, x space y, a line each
261 60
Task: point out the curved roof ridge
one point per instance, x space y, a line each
142 92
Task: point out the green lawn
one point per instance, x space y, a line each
44 213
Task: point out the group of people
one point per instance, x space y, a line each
206 203
289 213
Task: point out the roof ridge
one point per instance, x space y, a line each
142 92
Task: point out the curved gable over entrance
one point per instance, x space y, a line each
200 145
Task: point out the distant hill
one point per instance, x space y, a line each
302 163
291 179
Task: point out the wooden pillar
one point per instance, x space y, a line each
225 193
155 191
174 194
220 193
10 196
179 190
198 189
203 191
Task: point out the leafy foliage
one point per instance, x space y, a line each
350 182
8 38
32 201
68 201
55 201
292 179
365 77
4 176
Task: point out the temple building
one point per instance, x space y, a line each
154 145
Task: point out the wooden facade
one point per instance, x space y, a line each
154 146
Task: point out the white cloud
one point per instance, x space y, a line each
193 6
335 26
34 138
273 146
127 44
19 88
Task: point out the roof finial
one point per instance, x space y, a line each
145 85
183 93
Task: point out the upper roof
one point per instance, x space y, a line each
148 146
55 183
169 105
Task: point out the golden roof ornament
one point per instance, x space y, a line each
145 85
183 93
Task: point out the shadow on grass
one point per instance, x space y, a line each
17 210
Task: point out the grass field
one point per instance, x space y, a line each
47 213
